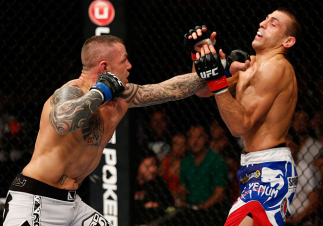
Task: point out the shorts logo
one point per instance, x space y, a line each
18 182
36 211
251 174
255 174
274 177
292 184
71 195
95 220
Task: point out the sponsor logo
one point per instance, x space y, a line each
36 211
250 174
19 182
101 12
71 195
95 220
109 178
274 177
264 190
266 182
292 184
247 177
206 74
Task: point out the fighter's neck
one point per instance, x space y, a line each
88 79
264 55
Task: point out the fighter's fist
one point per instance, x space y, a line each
235 55
109 85
196 37
210 68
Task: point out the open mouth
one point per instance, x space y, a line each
259 34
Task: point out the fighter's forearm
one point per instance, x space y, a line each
73 114
233 114
176 88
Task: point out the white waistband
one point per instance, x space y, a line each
269 155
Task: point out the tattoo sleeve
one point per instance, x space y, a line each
71 108
176 88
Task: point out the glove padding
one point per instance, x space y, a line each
191 43
235 55
109 85
210 68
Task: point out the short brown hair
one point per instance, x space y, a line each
92 49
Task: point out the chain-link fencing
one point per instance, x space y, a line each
40 51
157 53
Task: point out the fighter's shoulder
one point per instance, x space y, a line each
274 66
68 91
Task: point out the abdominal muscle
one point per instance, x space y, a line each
62 166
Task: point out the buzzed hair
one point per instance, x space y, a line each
96 49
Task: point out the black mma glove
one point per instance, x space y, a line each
215 70
191 43
210 68
235 55
109 86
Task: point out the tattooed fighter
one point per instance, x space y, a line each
76 124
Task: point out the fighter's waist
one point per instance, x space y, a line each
269 155
29 185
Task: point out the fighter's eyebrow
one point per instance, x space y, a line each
274 18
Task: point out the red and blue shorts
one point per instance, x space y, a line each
267 181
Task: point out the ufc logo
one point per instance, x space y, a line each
101 7
101 12
206 74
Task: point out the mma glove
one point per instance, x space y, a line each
235 55
109 86
190 44
213 69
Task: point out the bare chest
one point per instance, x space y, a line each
98 130
244 85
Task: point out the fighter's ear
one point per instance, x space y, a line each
103 66
289 42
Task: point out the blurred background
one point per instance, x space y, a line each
40 49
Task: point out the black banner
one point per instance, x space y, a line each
110 181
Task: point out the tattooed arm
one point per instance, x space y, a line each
71 108
176 88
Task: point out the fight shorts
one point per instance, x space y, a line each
267 181
30 202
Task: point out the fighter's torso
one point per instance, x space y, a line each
272 127
63 161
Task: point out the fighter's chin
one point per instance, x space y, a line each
255 45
